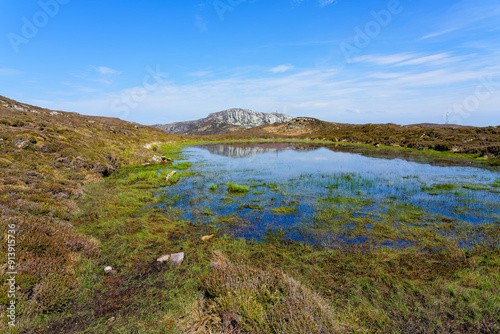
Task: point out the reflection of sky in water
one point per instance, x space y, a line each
308 174
287 163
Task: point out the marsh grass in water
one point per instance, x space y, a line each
475 187
287 210
342 206
236 188
437 189
182 165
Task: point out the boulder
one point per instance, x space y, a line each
163 258
170 175
177 258
108 269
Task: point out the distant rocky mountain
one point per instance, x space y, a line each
224 121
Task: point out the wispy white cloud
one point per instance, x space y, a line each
467 14
436 59
324 3
103 70
386 75
384 59
77 89
281 68
418 94
408 59
439 33
99 74
199 73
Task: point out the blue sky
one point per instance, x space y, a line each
373 61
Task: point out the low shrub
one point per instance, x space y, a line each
239 298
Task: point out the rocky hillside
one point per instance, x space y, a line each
212 126
224 121
46 157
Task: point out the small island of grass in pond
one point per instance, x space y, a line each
236 188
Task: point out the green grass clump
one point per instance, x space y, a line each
244 299
272 186
182 165
286 210
251 206
440 188
475 187
236 188
496 184
212 187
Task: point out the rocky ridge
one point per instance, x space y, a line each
224 121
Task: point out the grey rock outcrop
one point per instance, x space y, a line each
248 118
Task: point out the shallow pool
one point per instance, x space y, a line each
320 195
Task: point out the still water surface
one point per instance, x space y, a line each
291 184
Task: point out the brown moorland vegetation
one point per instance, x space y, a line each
46 157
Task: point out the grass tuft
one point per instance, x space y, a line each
440 188
286 210
236 188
